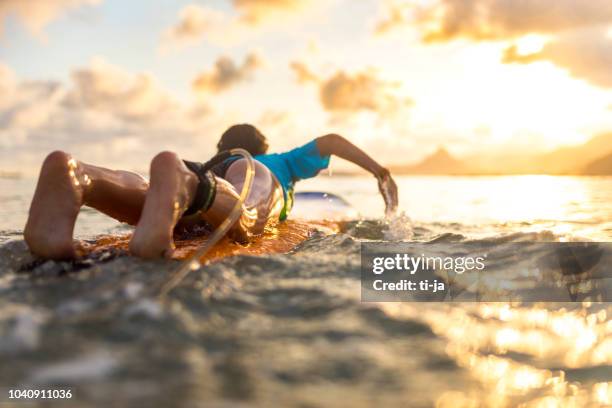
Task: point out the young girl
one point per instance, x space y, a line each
183 192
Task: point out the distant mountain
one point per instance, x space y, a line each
592 157
599 167
573 159
440 162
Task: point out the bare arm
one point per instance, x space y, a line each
336 145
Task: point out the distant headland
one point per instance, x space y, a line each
591 158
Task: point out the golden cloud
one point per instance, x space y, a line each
193 23
104 87
7 81
396 16
444 20
36 14
579 44
585 54
226 73
104 112
196 22
256 11
345 93
28 104
303 73
361 91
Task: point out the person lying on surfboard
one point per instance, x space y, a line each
183 192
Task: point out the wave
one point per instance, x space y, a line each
291 330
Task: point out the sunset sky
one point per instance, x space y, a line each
116 81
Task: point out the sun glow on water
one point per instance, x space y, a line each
479 343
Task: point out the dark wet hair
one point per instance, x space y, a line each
244 136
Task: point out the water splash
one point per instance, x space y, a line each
399 227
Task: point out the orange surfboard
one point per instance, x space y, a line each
281 238
310 208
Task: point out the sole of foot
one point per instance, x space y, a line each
54 209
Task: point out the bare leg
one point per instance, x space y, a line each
172 189
63 186
66 184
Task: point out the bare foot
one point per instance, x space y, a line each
150 243
168 195
54 209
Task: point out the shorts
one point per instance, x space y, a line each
205 192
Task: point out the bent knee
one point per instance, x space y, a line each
164 160
57 159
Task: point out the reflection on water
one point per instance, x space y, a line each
579 206
509 350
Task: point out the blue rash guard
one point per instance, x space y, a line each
297 164
300 163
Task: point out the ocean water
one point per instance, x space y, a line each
477 206
291 330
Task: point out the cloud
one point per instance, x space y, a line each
396 16
26 104
104 113
345 93
193 24
281 127
36 14
585 54
7 81
303 73
361 91
248 17
226 73
31 105
444 20
107 88
576 29
274 118
257 11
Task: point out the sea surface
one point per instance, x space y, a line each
291 329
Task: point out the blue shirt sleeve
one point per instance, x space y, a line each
305 161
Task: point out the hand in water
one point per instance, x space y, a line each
388 189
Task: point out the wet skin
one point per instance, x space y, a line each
66 184
154 207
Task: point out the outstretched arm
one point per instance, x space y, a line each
333 144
